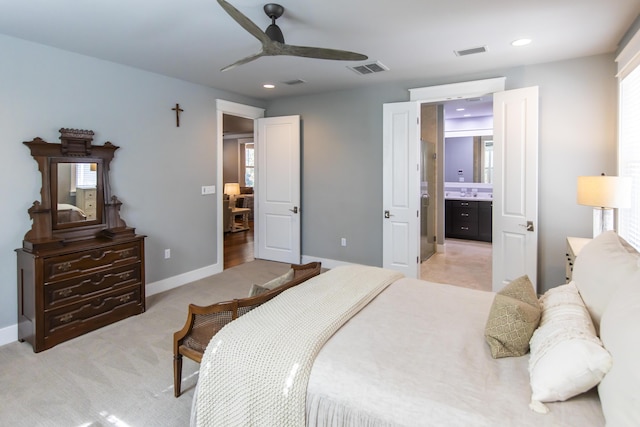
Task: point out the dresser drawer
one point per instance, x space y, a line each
88 194
92 313
72 290
67 266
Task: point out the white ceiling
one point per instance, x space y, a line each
193 39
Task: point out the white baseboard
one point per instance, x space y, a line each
9 334
181 279
326 263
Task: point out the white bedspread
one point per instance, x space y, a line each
255 370
416 356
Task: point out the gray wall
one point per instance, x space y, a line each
342 163
159 168
458 156
157 171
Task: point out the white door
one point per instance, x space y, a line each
278 189
515 192
401 188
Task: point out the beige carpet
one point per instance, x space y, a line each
464 263
120 375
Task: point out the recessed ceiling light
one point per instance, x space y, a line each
520 42
268 86
467 115
459 109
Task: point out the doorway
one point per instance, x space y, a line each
459 132
232 111
238 196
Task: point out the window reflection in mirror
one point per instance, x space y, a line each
77 192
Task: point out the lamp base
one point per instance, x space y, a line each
602 220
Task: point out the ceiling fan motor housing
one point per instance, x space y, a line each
274 11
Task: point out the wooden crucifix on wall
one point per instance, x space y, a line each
178 110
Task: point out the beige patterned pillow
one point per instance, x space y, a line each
514 316
271 284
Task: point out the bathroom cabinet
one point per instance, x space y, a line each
468 219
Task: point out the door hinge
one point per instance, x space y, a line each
417 214
417 260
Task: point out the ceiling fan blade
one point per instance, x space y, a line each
319 53
244 22
243 61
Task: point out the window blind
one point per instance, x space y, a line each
629 153
85 177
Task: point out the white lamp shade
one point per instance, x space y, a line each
232 188
604 191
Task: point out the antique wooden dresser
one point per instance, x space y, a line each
76 272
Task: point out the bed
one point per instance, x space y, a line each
415 354
70 213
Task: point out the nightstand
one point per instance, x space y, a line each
574 246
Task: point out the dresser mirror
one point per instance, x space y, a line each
77 191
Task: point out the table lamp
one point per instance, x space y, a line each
232 189
604 193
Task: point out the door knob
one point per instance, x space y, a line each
387 214
294 210
528 226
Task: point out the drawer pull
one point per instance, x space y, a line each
125 254
464 228
125 298
66 317
464 214
64 266
65 292
124 276
464 204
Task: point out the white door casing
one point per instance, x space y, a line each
401 188
515 191
515 186
277 210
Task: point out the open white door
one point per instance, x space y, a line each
278 189
401 188
515 192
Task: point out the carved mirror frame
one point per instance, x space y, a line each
75 147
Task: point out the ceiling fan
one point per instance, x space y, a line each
273 41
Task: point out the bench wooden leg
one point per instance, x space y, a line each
177 373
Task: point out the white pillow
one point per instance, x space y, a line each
620 389
567 358
600 268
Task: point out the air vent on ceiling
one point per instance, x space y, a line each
471 51
371 68
294 82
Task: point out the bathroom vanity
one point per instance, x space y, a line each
468 218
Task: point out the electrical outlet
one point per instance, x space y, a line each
167 253
343 242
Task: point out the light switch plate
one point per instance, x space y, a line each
208 189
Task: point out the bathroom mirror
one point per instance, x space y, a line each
469 159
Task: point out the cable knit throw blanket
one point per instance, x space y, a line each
256 369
